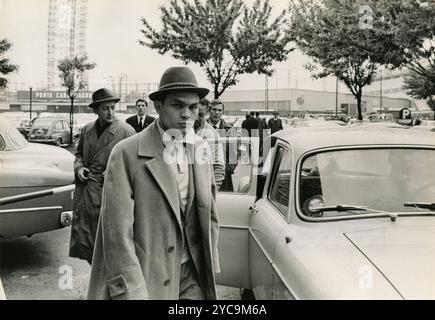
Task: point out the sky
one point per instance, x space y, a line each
113 32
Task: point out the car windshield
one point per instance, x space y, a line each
16 138
381 179
43 123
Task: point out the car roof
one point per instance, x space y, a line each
310 138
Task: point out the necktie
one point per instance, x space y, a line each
140 122
180 156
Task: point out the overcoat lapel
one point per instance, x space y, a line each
162 173
100 142
91 140
191 188
151 146
201 179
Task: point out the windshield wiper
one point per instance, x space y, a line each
345 207
422 205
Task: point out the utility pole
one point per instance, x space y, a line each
336 97
266 98
30 103
380 95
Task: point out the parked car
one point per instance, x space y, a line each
334 213
24 127
29 168
54 131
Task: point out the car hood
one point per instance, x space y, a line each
39 153
404 255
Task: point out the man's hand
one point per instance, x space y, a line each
83 174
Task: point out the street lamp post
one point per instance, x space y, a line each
30 103
336 97
266 98
380 95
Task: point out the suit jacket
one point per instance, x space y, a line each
133 121
139 243
93 153
275 125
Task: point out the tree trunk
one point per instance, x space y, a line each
71 121
216 90
358 105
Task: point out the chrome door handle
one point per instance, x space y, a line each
253 209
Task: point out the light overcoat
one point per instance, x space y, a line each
93 153
139 243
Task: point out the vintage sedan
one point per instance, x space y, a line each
35 185
50 130
334 213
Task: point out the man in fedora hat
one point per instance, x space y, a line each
97 140
158 229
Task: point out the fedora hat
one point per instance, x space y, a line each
102 95
178 79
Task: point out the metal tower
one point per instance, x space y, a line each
67 22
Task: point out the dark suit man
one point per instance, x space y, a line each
158 231
252 124
275 124
141 120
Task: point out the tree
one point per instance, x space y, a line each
71 73
412 26
344 38
419 87
224 37
5 66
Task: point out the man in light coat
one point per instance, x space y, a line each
206 131
97 140
158 231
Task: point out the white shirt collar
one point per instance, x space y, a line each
177 137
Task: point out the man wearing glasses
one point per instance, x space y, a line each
225 130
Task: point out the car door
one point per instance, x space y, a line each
66 132
267 221
58 130
233 210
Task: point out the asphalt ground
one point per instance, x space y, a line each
39 268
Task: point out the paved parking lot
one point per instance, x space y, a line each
38 268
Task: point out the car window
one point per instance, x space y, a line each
238 166
59 125
65 125
2 143
381 179
42 123
16 138
279 189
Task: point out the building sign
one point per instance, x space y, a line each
405 116
53 96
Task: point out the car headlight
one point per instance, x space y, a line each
32 136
